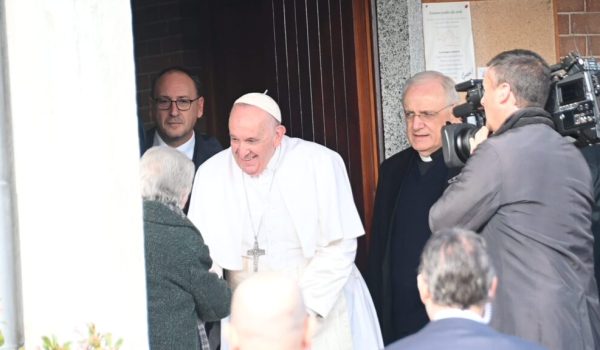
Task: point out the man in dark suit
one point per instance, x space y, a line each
176 105
456 280
409 183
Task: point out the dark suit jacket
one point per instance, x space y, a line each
206 146
180 288
391 177
461 334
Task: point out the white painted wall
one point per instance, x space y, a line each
72 86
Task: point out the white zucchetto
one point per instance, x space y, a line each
262 101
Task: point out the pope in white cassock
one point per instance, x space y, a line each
275 203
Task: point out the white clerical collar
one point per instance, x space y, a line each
458 313
187 148
425 159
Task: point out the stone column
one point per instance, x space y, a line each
401 54
72 97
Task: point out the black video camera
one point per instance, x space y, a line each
572 102
455 137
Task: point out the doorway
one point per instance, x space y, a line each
312 56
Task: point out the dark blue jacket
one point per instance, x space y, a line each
463 334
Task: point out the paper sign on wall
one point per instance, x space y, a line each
449 39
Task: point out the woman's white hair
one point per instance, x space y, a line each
166 175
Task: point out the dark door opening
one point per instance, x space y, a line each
313 56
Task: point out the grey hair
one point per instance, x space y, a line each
426 76
166 175
457 269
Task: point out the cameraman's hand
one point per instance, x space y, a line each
480 136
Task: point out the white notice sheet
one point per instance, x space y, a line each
449 39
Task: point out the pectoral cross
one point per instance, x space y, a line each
255 252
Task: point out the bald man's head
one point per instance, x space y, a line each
267 312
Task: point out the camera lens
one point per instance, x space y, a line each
455 143
463 146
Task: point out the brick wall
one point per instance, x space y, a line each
578 25
166 33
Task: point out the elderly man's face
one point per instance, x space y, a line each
176 126
254 136
426 110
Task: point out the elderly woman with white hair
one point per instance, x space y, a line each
181 291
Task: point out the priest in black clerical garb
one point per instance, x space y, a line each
409 183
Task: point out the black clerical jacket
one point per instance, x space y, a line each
392 174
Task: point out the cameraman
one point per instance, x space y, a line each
527 190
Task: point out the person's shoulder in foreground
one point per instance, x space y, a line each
463 334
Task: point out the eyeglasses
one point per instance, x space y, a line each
427 115
183 104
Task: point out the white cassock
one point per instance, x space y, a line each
302 212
